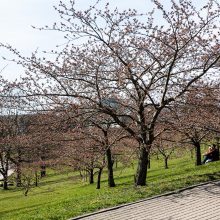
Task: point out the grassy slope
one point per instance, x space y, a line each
60 196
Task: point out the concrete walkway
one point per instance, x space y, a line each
200 202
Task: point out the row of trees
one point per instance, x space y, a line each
88 141
131 76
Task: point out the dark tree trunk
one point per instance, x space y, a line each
99 178
148 165
18 168
91 176
166 162
4 163
26 192
18 177
218 157
5 183
116 161
111 182
80 173
198 153
43 171
85 175
36 178
141 174
157 156
191 153
218 147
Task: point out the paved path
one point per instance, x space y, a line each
196 203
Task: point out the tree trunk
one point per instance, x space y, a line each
43 171
18 168
218 147
5 183
18 177
166 162
148 165
91 176
99 178
198 153
191 153
116 161
141 174
80 173
26 192
36 179
85 175
111 182
157 156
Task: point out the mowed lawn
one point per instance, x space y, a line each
62 196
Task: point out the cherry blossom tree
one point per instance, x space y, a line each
166 144
196 117
126 65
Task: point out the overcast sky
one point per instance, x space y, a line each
17 17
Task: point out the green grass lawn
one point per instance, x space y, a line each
62 196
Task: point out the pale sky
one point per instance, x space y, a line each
17 16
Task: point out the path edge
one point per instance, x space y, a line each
143 200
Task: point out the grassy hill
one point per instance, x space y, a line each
62 196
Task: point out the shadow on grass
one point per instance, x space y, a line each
211 176
30 208
12 197
61 180
58 172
